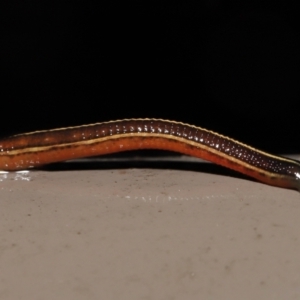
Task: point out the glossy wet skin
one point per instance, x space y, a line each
42 147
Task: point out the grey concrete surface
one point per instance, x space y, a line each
146 234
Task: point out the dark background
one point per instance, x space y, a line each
233 69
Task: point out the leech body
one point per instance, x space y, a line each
38 148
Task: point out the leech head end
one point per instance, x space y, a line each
297 175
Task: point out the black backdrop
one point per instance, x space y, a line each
233 69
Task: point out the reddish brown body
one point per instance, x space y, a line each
43 147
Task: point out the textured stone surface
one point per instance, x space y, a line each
142 233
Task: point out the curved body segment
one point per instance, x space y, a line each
38 148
